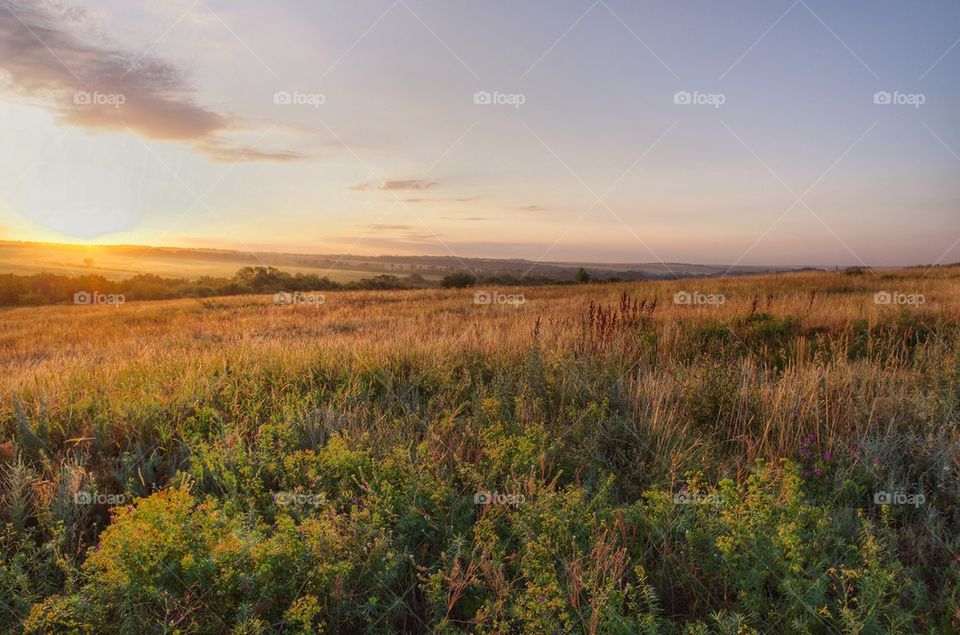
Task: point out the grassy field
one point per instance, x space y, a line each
780 454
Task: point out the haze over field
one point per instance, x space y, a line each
759 133
117 262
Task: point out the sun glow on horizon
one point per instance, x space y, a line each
419 138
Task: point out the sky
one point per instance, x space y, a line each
767 132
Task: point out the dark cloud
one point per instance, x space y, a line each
531 208
48 58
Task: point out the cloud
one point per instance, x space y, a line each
398 185
439 200
226 153
531 208
412 184
49 59
422 237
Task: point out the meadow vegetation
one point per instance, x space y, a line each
591 458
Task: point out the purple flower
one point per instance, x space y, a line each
826 455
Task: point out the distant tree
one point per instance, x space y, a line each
88 262
416 280
263 279
583 276
458 280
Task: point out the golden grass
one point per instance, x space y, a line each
63 357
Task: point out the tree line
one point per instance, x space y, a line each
49 288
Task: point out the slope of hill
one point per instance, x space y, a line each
122 261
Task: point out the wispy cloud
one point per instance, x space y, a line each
228 153
50 59
413 184
435 199
398 185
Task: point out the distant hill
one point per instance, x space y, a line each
123 261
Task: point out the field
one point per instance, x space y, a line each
773 454
116 262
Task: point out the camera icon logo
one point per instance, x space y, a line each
683 297
882 498
682 498
83 297
82 498
482 297
282 297
682 98
483 98
883 297
482 498
882 98
82 98
282 98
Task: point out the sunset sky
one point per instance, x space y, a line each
167 123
